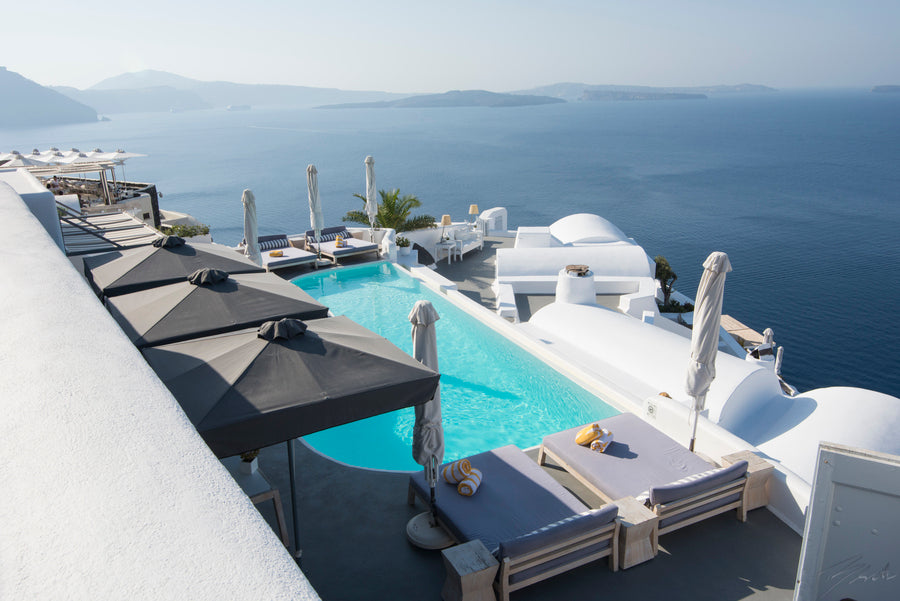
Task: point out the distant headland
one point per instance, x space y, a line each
25 103
886 89
455 98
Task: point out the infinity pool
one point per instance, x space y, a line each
493 393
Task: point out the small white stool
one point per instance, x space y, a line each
471 570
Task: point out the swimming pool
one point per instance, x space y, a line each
493 392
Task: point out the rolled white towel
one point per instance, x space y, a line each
601 443
455 472
470 483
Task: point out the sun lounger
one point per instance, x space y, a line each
327 243
291 255
642 462
531 523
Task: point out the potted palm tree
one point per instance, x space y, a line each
393 212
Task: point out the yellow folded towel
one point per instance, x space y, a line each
470 483
276 253
602 442
587 435
456 472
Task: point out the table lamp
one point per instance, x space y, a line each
473 210
445 221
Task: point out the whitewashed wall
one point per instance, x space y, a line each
108 492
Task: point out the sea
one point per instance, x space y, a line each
800 188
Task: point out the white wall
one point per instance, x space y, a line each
39 200
108 492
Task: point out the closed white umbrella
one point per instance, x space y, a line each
316 221
251 229
705 335
371 199
428 432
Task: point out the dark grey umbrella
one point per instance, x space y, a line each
168 261
243 391
258 387
210 302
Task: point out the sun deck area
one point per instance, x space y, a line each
352 534
352 521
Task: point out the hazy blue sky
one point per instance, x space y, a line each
421 46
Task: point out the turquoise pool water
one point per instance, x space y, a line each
493 393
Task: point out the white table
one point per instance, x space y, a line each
256 486
449 246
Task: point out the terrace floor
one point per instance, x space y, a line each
352 523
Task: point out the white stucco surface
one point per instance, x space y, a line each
586 228
108 491
792 427
658 357
37 198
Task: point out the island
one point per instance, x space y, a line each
596 95
25 103
886 89
454 98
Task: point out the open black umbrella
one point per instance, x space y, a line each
209 302
258 387
167 261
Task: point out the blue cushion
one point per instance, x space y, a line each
640 457
516 497
558 532
682 490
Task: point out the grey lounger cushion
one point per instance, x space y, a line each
676 491
639 458
516 497
558 533
327 243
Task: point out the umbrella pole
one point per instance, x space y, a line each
433 482
297 551
695 417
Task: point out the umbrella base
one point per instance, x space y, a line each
422 534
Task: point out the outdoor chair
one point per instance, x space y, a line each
678 486
533 525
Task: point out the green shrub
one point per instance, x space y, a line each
402 242
185 231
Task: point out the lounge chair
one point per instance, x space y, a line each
327 244
531 523
642 462
291 255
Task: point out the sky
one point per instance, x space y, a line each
422 46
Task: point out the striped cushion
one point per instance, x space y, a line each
273 242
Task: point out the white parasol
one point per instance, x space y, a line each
705 335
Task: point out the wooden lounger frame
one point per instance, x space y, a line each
675 508
511 566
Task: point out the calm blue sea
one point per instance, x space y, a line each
801 189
